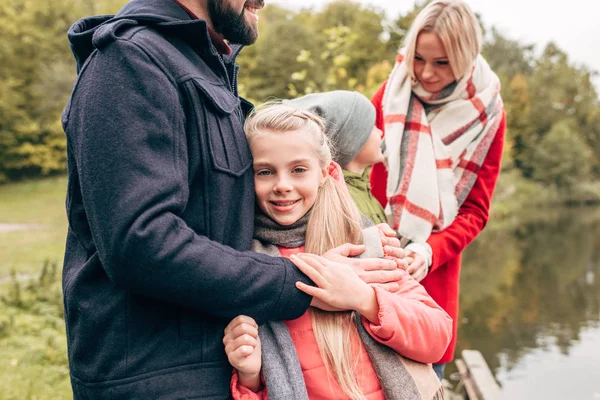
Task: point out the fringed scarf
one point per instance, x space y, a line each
401 378
435 143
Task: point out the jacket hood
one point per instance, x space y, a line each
91 33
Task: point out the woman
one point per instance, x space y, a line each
444 124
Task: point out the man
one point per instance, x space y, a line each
160 204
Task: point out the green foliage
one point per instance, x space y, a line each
399 27
346 45
32 338
508 57
267 66
358 31
36 75
562 158
304 52
32 141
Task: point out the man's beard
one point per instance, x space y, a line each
231 25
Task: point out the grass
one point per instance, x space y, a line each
40 202
32 339
32 329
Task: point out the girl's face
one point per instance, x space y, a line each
431 65
287 174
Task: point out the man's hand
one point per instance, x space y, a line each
370 270
337 284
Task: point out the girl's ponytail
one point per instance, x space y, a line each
335 220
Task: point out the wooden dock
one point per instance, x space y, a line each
476 380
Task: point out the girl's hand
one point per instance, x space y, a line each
338 285
388 236
242 346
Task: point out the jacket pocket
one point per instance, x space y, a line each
221 126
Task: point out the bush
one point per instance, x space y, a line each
33 339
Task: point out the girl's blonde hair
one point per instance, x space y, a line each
333 221
458 29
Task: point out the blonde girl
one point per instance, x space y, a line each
444 124
303 207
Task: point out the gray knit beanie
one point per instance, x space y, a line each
350 118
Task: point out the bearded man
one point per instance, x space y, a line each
160 204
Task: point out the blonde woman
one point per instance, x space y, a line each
304 206
443 123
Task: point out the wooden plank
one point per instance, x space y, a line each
466 380
481 375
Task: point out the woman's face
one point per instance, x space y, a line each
432 67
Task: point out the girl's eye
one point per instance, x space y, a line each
442 62
263 172
419 59
299 170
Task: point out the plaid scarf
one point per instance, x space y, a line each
435 143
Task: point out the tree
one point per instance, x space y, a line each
364 23
34 43
266 67
508 57
399 27
36 75
562 157
557 90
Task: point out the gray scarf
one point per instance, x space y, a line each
401 379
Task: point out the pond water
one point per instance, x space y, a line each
530 302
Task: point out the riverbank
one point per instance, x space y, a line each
530 290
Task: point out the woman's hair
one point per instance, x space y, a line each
458 29
333 221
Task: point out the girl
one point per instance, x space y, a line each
303 206
443 124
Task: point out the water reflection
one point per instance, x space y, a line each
530 287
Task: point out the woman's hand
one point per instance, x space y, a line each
417 267
242 346
338 285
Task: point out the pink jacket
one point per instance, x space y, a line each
411 323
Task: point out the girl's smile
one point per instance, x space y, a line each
287 174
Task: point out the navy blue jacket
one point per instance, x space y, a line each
160 205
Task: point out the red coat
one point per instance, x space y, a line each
442 282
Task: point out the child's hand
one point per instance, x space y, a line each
242 346
388 236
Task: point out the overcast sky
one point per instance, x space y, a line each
574 25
